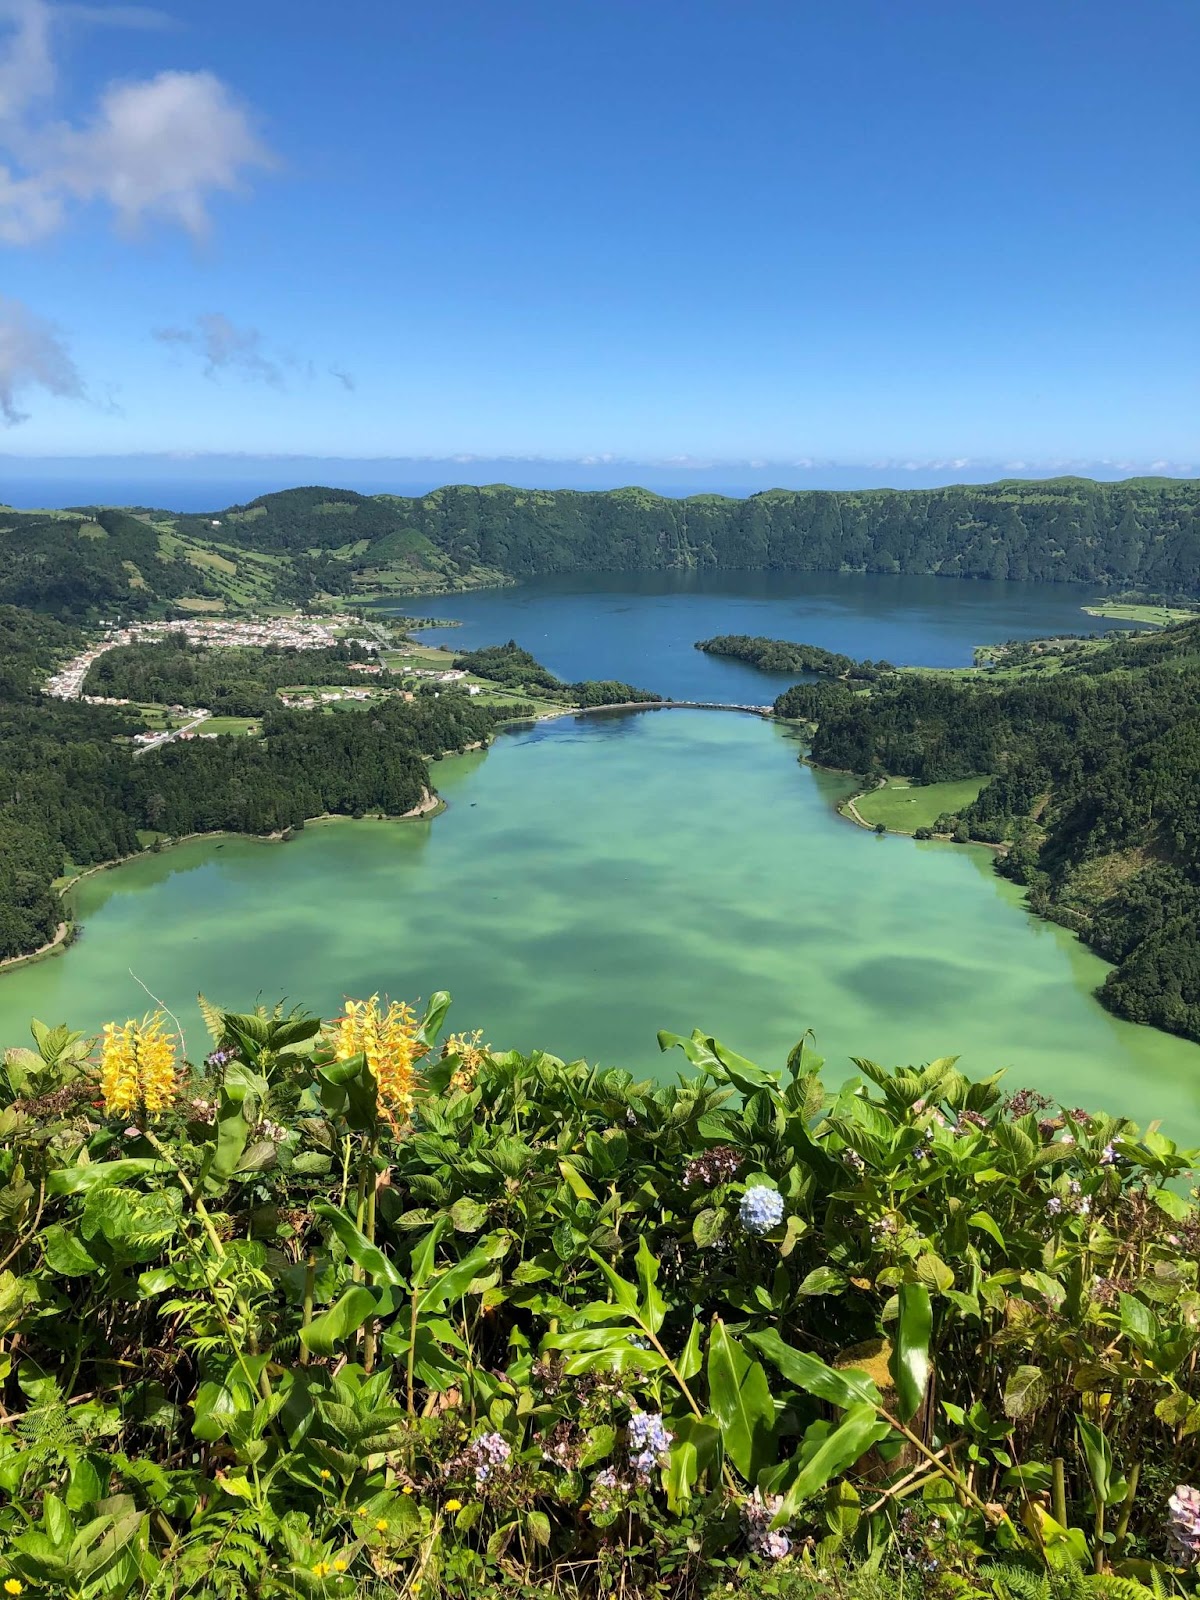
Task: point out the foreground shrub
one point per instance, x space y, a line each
334 1312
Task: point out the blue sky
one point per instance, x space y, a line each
730 236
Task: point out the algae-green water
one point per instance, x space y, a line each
596 879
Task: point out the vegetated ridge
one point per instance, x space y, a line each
306 543
1095 790
513 668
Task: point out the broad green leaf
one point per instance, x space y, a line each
1097 1452
1025 1391
910 1352
1137 1321
822 1280
456 1280
859 1429
576 1183
359 1248
66 1254
653 1306
693 1448
741 1398
987 1224
344 1317
691 1360
78 1180
422 1257
843 1388
934 1273
625 1292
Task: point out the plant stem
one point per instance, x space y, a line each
310 1274
1135 1473
1059 1492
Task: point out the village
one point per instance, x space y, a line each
296 632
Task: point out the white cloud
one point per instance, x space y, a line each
225 347
32 356
153 149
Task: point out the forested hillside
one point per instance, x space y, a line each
1143 532
1096 787
303 544
72 794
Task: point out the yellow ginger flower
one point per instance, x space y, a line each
470 1053
389 1041
137 1067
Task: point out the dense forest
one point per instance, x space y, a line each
781 655
72 795
1096 788
229 682
301 544
510 667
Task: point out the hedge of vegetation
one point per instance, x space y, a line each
343 1311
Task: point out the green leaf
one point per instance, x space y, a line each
537 1525
691 1360
988 1225
909 1363
1175 1206
456 1280
653 1307
359 1248
707 1228
741 1398
822 1280
1097 1452
602 1441
693 1448
423 1254
232 1132
934 1273
78 1180
344 1317
66 1254
468 1215
1137 1321
858 1431
1025 1391
843 1388
625 1292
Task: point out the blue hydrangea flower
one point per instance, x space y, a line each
648 1441
761 1209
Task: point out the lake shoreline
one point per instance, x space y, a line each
69 930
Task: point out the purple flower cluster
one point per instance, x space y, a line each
758 1515
714 1166
648 1440
487 1453
219 1058
1184 1506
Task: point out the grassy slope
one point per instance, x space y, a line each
903 807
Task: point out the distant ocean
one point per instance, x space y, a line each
166 495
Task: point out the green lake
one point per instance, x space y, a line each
596 879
